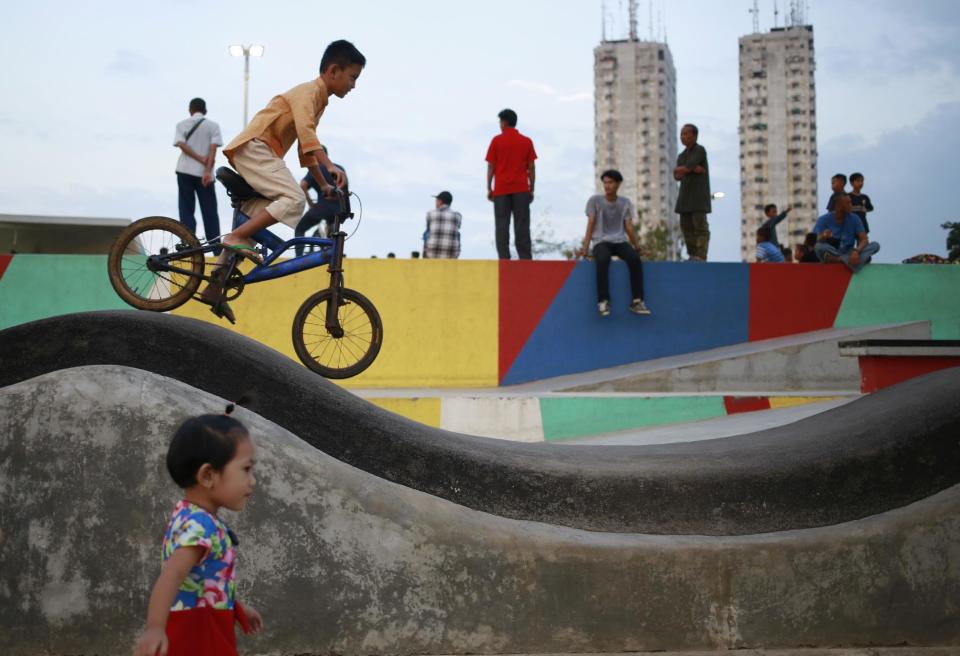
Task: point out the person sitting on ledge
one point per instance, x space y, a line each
807 251
766 250
610 228
844 227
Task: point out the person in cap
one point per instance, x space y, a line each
442 237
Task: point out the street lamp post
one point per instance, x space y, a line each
246 52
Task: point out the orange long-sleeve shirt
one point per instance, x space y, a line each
289 117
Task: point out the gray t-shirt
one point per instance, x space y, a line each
610 217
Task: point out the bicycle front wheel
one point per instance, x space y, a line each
337 357
150 284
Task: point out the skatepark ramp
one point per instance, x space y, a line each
370 534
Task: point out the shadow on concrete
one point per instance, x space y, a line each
867 457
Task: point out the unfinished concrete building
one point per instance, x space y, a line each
635 126
778 132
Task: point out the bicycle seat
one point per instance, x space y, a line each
237 188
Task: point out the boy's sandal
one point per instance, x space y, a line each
220 308
248 252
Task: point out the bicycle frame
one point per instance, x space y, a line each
330 253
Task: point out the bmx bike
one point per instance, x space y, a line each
157 264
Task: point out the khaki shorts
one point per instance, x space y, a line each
269 175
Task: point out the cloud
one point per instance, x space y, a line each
547 90
907 174
129 63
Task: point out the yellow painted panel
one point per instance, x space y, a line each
439 318
789 401
425 411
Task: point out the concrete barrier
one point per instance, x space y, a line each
860 459
341 562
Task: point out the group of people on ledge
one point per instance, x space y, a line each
839 236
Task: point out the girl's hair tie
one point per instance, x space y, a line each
245 400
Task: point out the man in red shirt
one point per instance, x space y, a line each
510 179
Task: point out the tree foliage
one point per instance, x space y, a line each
953 239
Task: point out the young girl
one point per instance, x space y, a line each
192 607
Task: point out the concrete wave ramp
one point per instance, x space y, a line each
873 455
344 562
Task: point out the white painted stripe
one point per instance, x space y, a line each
517 419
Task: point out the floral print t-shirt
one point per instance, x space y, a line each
210 583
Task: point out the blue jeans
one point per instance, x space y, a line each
823 249
191 188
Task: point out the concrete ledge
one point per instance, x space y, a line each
861 459
942 348
341 562
807 362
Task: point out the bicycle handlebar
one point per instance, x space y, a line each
344 199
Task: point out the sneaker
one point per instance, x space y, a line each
603 307
637 306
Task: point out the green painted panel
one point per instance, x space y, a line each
893 293
39 286
566 417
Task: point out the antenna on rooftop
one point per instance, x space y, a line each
798 13
633 20
650 21
603 20
776 14
756 16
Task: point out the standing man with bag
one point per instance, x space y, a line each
198 139
511 175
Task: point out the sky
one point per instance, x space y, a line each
92 91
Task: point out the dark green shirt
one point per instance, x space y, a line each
694 196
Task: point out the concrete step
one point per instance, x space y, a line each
807 361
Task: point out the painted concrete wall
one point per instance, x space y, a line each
561 417
342 562
483 323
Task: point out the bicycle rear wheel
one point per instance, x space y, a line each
337 357
145 285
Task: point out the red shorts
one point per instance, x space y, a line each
204 631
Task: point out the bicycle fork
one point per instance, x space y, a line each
332 323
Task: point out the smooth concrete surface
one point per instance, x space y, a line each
342 562
805 362
854 461
803 651
518 418
711 429
562 417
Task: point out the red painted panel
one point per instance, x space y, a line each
4 263
736 404
879 371
786 299
527 288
